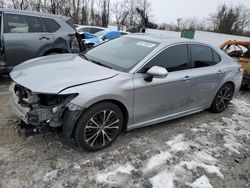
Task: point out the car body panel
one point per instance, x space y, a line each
106 90
56 72
164 96
22 46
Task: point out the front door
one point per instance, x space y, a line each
24 38
154 101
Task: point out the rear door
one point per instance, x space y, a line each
206 75
24 38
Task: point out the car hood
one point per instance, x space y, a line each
52 74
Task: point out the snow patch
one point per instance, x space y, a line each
178 143
157 161
50 175
232 144
193 165
163 179
242 107
202 182
117 175
204 157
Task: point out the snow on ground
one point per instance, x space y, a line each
157 161
163 179
201 151
117 175
236 126
202 182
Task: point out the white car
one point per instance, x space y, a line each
90 29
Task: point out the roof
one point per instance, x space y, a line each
157 37
33 13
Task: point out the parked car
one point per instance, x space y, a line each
240 51
90 40
25 35
126 83
90 29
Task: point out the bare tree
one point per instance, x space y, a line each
85 12
230 20
21 4
192 24
2 3
105 12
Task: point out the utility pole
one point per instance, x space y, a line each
179 23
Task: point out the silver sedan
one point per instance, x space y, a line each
127 83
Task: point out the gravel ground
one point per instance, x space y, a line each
202 150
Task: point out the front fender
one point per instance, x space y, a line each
119 88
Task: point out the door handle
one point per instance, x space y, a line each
219 72
44 38
186 78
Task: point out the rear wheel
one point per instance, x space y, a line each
99 126
222 98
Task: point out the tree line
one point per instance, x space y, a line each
226 19
136 14
130 13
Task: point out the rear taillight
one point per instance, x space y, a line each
241 69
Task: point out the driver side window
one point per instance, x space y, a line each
174 58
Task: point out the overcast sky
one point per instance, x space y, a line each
169 10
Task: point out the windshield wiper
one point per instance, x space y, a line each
99 63
84 56
96 62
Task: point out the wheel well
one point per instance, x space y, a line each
123 109
232 84
56 50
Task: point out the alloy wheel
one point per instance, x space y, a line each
224 98
101 128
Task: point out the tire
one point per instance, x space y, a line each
222 98
93 132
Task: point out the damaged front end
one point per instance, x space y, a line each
39 111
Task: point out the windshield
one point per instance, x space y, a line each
122 53
99 34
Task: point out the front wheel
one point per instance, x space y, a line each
222 98
99 126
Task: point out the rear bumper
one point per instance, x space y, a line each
246 81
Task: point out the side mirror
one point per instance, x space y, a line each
156 72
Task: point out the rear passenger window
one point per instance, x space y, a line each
85 29
95 30
173 59
202 56
15 23
216 57
51 25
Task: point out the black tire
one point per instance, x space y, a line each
222 98
93 132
